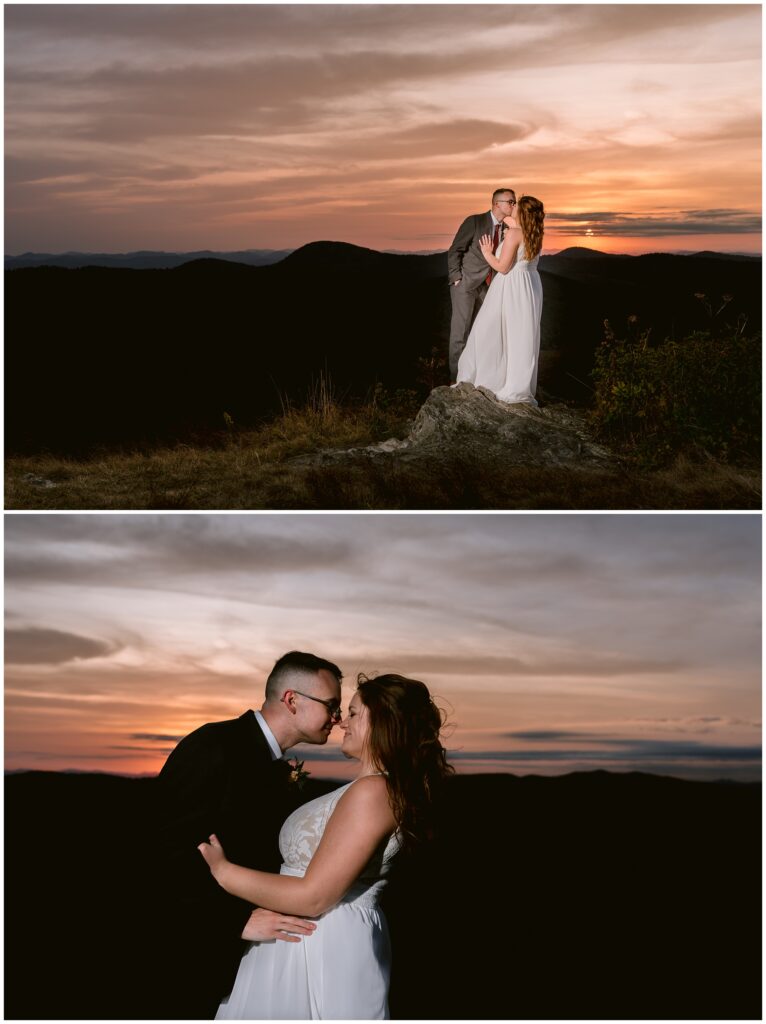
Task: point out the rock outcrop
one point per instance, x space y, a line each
468 424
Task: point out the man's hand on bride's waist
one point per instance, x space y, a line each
264 925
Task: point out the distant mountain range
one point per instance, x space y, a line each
143 259
152 260
105 356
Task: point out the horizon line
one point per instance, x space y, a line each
329 778
337 241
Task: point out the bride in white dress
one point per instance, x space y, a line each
502 350
336 851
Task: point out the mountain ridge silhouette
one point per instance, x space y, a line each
162 259
655 876
109 357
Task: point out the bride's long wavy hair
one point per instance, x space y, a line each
404 742
531 214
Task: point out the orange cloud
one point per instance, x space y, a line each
268 126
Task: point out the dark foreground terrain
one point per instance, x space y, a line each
590 895
101 358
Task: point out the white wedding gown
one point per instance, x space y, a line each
341 971
503 348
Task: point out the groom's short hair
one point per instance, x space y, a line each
296 663
499 192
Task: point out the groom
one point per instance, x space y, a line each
469 271
227 778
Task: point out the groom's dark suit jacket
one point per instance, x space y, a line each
222 779
464 259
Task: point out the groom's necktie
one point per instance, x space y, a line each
495 243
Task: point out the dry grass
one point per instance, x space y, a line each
238 471
388 484
256 470
245 477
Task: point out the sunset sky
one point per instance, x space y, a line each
268 126
554 642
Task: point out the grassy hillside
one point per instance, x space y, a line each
240 469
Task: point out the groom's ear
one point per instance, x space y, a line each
288 699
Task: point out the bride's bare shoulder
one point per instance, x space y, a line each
367 798
369 785
367 791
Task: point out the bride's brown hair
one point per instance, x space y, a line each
404 743
531 214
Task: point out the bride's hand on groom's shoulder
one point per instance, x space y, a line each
214 856
263 925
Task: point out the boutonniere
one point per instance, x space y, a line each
298 774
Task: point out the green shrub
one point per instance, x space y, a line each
698 393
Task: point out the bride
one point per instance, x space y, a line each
336 851
502 350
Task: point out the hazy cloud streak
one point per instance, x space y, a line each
37 646
697 222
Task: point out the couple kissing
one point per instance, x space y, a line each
497 298
271 908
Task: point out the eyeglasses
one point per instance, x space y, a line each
511 202
333 706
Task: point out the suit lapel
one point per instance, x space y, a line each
256 741
249 753
274 773
255 802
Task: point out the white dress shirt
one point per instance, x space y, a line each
276 750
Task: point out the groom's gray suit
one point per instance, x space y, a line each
466 264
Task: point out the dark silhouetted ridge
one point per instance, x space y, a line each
355 259
211 264
709 254
375 318
607 896
581 252
339 253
